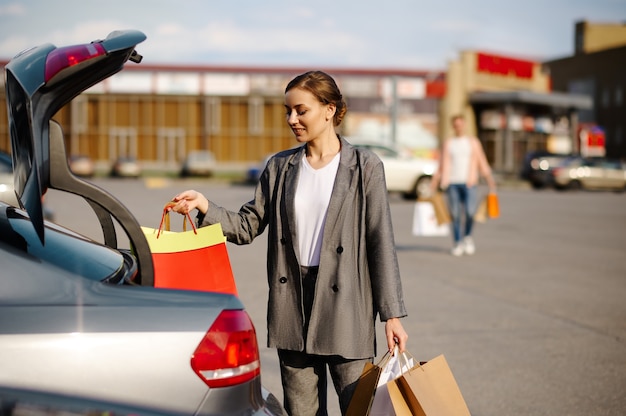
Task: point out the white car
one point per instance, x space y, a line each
406 174
198 163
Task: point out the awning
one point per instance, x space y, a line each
554 99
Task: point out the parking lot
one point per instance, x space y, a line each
534 323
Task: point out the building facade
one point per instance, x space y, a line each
598 69
160 113
511 108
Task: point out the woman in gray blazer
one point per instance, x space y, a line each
331 260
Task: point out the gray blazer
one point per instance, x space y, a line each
358 274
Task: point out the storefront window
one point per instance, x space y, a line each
619 96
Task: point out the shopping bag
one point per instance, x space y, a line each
397 364
488 208
441 208
196 259
428 389
425 221
493 206
363 396
481 211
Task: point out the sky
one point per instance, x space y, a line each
354 34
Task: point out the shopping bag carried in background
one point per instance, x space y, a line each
493 205
425 222
488 208
363 396
428 389
441 208
194 260
481 211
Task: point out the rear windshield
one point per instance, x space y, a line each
62 248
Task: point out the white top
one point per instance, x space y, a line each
460 150
311 203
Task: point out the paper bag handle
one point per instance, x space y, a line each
417 364
165 220
384 359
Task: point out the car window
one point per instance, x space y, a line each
71 252
6 165
612 164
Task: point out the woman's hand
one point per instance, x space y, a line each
395 335
189 200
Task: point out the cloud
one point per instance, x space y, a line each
454 26
12 9
393 34
229 40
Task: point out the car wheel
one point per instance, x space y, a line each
537 185
575 185
422 186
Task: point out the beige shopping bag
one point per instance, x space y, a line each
481 211
428 389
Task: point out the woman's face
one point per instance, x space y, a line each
308 118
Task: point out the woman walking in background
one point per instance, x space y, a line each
331 264
461 164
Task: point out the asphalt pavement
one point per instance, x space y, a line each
534 323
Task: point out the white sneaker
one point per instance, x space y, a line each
457 250
469 246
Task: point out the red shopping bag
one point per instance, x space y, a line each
194 260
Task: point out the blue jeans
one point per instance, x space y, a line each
462 200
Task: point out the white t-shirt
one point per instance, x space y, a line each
460 150
311 204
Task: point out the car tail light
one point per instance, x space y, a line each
228 353
62 58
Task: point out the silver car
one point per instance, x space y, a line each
15 402
591 173
80 317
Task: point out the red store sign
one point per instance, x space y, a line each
501 65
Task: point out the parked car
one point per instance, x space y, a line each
82 317
198 163
126 167
82 165
591 173
403 173
254 172
17 402
538 165
406 174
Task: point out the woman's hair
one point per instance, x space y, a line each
457 116
324 88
